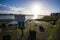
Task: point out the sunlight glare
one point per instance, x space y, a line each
35 8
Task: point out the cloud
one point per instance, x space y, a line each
12 10
3 7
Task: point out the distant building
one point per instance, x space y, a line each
55 14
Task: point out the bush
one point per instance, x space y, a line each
55 33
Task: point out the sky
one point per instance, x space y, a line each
26 6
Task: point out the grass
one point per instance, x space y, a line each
15 32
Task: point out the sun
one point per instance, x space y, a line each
35 9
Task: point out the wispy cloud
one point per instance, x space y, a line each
4 9
12 10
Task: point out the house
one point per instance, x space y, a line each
55 14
